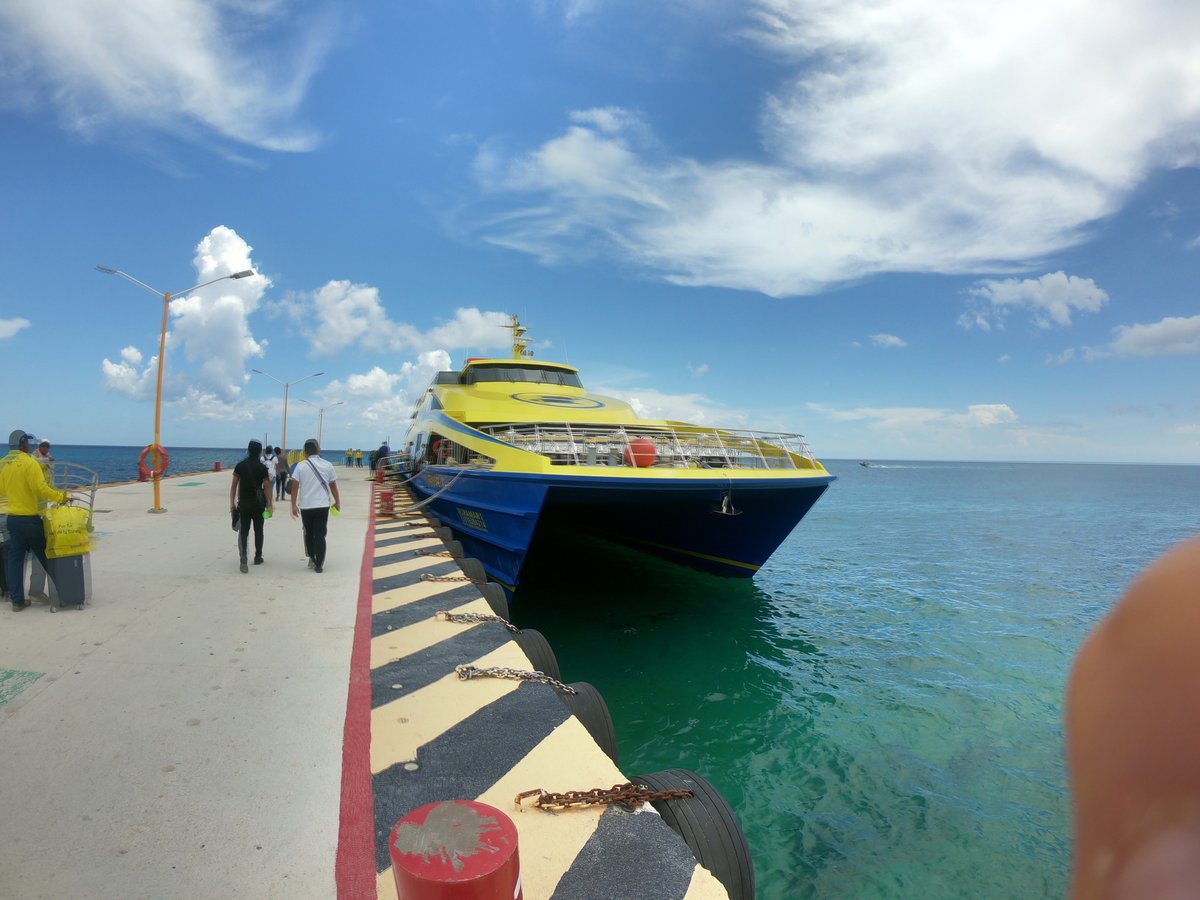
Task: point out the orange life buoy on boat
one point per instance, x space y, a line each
641 453
144 471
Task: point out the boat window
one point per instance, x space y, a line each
446 378
523 373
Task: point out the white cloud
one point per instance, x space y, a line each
1050 300
235 71
126 379
888 340
988 414
9 327
701 369
909 136
470 328
1172 336
386 398
918 419
209 342
648 403
342 315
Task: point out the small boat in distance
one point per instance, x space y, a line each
507 451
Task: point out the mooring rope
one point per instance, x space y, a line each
432 496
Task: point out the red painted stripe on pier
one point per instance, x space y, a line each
354 872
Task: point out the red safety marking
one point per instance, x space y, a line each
354 870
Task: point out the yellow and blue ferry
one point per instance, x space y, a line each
510 450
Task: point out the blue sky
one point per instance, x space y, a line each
904 228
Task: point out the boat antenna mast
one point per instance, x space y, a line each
520 345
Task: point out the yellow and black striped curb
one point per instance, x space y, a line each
435 737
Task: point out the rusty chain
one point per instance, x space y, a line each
472 618
433 553
425 576
468 672
629 795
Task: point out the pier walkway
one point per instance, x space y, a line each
194 732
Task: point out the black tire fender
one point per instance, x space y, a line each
534 645
589 708
473 569
708 826
496 599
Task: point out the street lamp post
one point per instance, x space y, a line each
156 448
286 387
321 416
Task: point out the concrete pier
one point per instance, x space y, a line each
196 732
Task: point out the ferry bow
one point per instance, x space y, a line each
509 452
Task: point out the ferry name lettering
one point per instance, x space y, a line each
472 518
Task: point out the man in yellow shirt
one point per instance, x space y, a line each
22 484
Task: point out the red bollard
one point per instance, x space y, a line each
217 466
455 850
379 475
387 503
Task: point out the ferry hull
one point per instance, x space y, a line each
729 527
493 516
718 529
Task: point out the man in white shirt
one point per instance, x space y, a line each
314 491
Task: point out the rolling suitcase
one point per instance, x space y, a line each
72 578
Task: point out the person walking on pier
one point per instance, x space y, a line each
22 484
315 491
281 474
250 494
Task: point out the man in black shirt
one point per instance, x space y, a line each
250 494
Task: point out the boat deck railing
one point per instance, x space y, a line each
668 446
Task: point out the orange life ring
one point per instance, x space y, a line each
144 471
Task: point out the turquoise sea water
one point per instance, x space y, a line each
882 703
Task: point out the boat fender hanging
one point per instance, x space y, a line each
708 826
144 471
